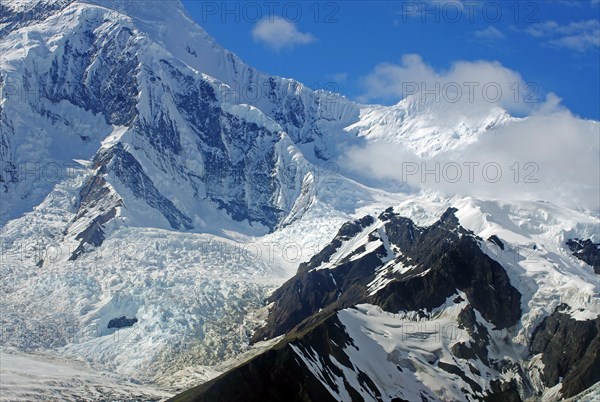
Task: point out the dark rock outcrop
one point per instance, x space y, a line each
122 322
105 89
94 195
452 260
586 251
494 239
99 204
446 258
570 351
503 392
477 348
346 232
131 173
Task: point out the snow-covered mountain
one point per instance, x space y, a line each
156 190
461 309
144 104
121 90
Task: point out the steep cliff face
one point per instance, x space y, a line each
168 131
570 351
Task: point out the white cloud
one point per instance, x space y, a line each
278 33
551 155
579 36
477 85
490 33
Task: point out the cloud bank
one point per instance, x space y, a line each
476 85
550 154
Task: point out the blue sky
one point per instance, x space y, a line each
363 50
